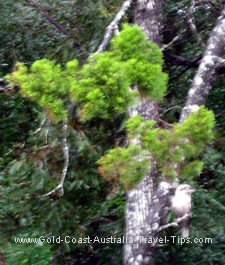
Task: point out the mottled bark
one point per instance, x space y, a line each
149 202
148 16
147 205
211 60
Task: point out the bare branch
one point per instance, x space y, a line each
44 147
217 204
41 126
175 223
171 108
191 22
165 46
179 60
113 26
4 89
47 16
194 64
59 189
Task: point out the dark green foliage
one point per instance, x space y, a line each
17 116
83 211
31 164
25 35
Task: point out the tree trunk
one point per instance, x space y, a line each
146 207
148 16
149 202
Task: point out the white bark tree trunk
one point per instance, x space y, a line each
149 202
145 205
148 16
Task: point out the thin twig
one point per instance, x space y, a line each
41 126
112 26
171 108
217 204
185 69
59 189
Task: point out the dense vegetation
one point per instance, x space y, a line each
59 78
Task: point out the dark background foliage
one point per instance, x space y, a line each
31 162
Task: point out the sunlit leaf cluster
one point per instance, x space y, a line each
101 87
47 84
125 165
177 150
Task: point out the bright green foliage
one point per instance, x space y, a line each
176 148
132 43
136 125
126 165
101 86
143 61
47 84
192 169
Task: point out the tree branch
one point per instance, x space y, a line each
179 60
112 26
175 223
195 62
191 22
47 16
59 189
165 46
41 126
211 60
